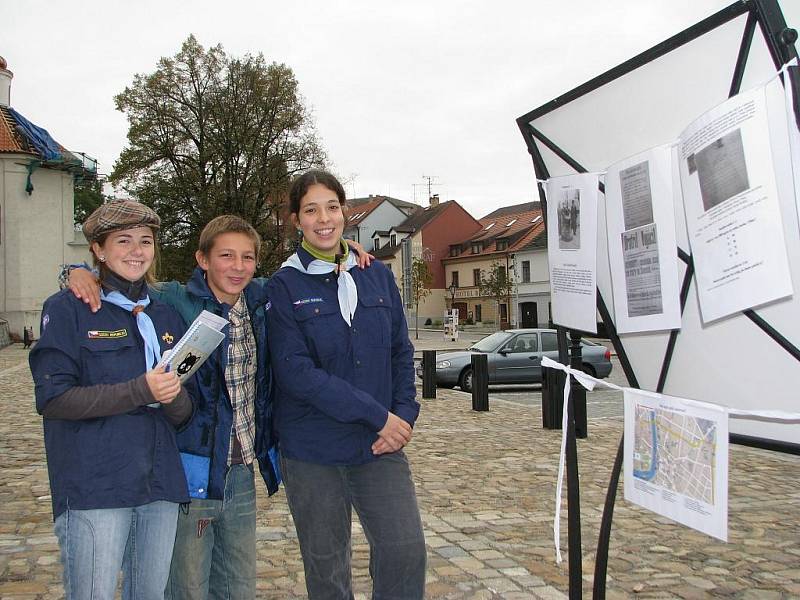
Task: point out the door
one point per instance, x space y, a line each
528 315
518 361
462 311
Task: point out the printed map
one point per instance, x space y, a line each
675 451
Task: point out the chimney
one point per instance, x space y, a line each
5 83
435 200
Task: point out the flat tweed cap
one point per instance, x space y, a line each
119 214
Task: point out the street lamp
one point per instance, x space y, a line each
453 287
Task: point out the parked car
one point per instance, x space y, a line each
514 356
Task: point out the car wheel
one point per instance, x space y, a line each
589 370
465 380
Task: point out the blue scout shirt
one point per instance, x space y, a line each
108 462
336 384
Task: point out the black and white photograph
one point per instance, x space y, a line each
721 168
642 271
569 220
637 197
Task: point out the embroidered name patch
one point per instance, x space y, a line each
307 301
95 334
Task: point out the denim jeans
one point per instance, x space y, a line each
96 544
215 547
321 498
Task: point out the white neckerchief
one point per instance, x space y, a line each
347 292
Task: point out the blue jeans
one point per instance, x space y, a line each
321 498
96 544
215 547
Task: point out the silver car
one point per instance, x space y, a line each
514 356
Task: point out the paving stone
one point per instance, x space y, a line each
485 485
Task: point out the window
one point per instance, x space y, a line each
454 278
549 342
477 247
504 313
502 244
377 243
476 277
502 274
526 271
536 219
489 226
525 342
455 250
393 240
478 317
511 222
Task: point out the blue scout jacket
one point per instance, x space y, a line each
107 462
335 384
205 440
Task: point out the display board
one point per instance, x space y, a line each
748 360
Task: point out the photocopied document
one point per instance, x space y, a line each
640 225
732 212
196 345
572 250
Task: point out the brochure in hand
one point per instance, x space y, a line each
196 345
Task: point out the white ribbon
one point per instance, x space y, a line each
589 383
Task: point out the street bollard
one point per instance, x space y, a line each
429 373
552 398
480 382
577 390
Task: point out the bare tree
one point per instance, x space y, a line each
421 279
497 285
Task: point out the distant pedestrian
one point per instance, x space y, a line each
573 217
27 336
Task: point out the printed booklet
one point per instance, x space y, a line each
196 345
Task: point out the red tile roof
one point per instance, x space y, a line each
360 212
518 229
10 140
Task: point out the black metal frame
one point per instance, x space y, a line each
780 43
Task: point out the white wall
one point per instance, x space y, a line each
537 289
36 237
382 218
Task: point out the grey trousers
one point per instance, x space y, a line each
321 498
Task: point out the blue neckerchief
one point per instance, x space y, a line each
347 292
152 351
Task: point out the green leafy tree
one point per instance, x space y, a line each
421 280
211 134
88 196
496 284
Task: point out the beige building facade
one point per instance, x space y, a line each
37 234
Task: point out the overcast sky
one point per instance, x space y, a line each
399 89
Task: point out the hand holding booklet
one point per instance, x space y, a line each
196 345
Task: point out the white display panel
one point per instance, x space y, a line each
731 361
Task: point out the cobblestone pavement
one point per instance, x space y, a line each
486 486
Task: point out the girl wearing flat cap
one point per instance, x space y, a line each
116 477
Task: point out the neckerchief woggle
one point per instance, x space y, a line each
347 292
